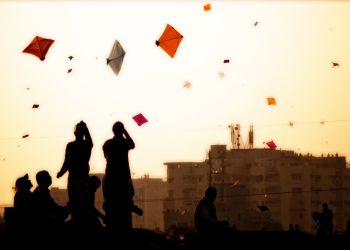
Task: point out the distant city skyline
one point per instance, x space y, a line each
231 58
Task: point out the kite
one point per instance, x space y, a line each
256 23
70 57
187 84
116 57
226 60
271 101
291 124
207 7
271 144
35 106
221 74
39 47
140 119
263 208
170 40
25 136
70 70
335 64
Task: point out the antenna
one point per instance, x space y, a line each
235 135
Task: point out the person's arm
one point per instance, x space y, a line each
87 135
65 166
130 141
206 215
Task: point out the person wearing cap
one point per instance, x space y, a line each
76 162
118 188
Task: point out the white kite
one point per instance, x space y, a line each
116 57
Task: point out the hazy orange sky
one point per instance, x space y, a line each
288 55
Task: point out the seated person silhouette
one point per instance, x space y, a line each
47 212
94 184
205 219
23 203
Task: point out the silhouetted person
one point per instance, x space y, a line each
118 189
47 212
76 162
324 221
94 184
23 203
290 228
205 219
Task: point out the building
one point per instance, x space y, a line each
291 186
186 184
149 196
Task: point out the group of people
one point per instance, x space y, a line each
118 190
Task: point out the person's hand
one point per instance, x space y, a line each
59 174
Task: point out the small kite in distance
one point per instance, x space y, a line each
35 106
39 47
263 208
256 23
221 74
271 101
25 136
116 57
271 144
187 84
170 40
140 119
226 60
207 7
70 70
70 57
335 64
291 124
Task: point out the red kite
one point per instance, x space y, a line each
169 40
70 70
187 84
140 119
39 47
271 144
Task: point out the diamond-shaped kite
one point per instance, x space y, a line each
271 144
170 40
116 57
140 119
207 7
39 47
35 106
187 84
271 101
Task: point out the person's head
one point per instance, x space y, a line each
118 128
210 194
94 182
43 179
325 206
23 183
79 130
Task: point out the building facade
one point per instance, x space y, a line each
291 186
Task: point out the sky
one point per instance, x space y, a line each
287 55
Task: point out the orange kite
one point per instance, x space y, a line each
39 47
169 40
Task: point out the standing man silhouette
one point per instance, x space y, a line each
76 162
118 189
